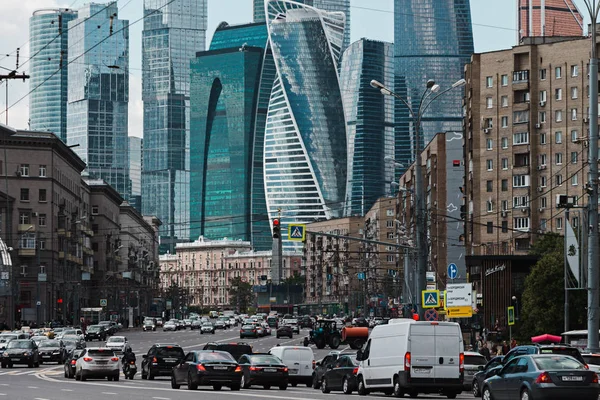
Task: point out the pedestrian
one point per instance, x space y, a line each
504 347
485 351
513 343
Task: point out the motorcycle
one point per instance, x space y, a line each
129 370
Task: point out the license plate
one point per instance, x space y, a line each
220 368
422 370
45 356
170 360
101 362
572 378
15 359
293 371
270 369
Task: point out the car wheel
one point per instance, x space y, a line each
315 382
174 384
346 386
82 377
362 390
398 392
283 386
267 387
475 389
217 387
77 376
150 375
243 383
190 383
116 377
525 395
487 394
324 387
65 370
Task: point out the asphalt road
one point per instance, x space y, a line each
48 383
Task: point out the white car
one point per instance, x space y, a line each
266 329
117 343
97 363
169 326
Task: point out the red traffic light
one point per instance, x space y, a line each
276 222
59 301
276 229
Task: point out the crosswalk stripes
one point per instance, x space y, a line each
18 372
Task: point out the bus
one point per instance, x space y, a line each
576 338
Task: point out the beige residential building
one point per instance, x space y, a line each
526 125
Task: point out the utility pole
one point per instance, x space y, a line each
12 75
592 187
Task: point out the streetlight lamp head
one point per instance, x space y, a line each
459 83
514 298
430 83
435 88
377 85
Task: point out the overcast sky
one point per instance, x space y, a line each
494 24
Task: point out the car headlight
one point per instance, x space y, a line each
5 354
26 353
55 352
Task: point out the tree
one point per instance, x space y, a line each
295 279
241 295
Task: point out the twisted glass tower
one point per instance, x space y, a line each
173 32
48 53
433 39
305 134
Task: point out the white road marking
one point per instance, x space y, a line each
40 398
66 390
2 394
161 398
32 387
4 384
111 393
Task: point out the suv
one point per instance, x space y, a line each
235 349
161 359
322 366
563 349
95 332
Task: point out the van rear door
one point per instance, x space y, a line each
448 342
422 351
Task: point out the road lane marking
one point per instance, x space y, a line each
161 398
2 394
40 398
66 390
111 393
32 387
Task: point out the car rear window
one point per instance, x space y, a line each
567 351
170 351
208 357
101 352
557 363
265 359
475 360
591 359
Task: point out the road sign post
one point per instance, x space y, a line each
511 320
430 298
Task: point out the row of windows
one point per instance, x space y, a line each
523 224
24 170
25 195
521 76
522 160
524 97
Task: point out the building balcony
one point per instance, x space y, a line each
25 252
521 77
26 228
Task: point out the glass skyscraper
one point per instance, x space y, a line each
370 122
259 10
173 33
135 171
48 53
224 97
97 109
433 39
305 136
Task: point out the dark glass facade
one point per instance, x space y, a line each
48 53
98 94
225 86
173 33
370 122
433 40
259 10
305 136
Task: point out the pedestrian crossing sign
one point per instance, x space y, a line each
297 232
430 298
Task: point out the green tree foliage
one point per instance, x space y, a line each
241 296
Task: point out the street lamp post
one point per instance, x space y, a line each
421 214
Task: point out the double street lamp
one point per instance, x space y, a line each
430 94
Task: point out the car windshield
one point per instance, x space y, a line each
50 343
591 359
248 327
69 343
19 344
104 323
264 359
557 363
70 332
475 360
170 351
207 324
116 339
214 356
94 328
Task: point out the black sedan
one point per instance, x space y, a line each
285 330
342 376
21 351
95 332
248 331
207 368
52 351
490 369
70 362
540 377
263 369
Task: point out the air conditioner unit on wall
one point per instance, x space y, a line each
487 130
542 103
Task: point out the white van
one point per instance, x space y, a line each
412 357
300 362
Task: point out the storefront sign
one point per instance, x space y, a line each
493 270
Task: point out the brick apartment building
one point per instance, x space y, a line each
549 18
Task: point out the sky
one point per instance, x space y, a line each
494 28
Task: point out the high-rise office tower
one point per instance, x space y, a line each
549 18
224 96
173 33
135 171
99 93
305 136
48 53
370 122
433 39
259 10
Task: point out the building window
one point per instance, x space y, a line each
504 142
558 179
27 240
42 246
520 117
543 96
504 185
558 137
542 138
390 235
558 72
573 114
504 122
574 92
489 144
389 224
520 201
559 223
42 220
574 70
558 158
543 224
542 117
543 159
42 195
490 227
558 115
24 218
521 181
489 186
543 181
521 224
95 210
521 138
24 194
574 180
505 163
489 81
490 206
544 202
574 136
504 79
24 169
574 157
504 205
504 226
558 94
488 123
489 102
42 171
504 101
490 165
543 74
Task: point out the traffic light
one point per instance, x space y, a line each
276 229
59 301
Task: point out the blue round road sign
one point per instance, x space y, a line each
452 271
